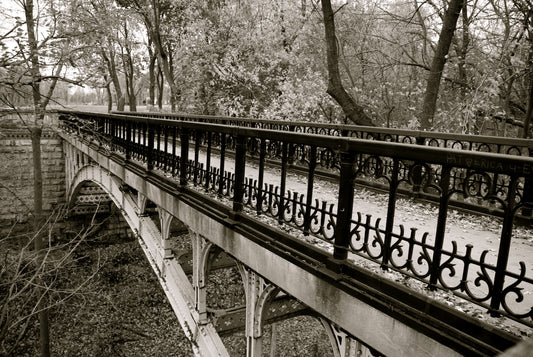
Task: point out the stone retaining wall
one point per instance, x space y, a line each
16 175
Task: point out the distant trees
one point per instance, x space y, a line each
460 66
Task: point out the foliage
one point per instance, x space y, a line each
267 60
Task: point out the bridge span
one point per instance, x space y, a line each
146 168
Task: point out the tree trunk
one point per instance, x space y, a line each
164 56
110 61
160 88
109 96
129 72
36 130
439 59
166 67
352 110
461 66
151 72
529 111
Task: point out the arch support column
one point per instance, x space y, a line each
259 292
165 218
141 204
345 345
203 253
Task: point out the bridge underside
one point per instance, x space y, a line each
271 269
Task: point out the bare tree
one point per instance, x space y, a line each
27 59
353 111
30 281
437 65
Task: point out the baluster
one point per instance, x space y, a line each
196 155
128 140
417 169
174 140
140 130
240 167
505 246
166 161
208 161
292 148
121 132
184 138
157 146
262 154
137 132
284 164
112 135
527 195
391 210
467 261
344 205
150 148
222 160
310 184
441 226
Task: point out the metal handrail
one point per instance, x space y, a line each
441 172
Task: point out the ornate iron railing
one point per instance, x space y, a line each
430 257
500 145
511 146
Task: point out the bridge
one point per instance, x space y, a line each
233 187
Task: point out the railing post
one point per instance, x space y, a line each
344 205
112 135
291 149
166 160
129 143
150 147
222 162
158 146
240 166
184 159
208 161
527 195
283 181
417 169
174 162
196 155
310 184
441 226
261 175
505 246
391 210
